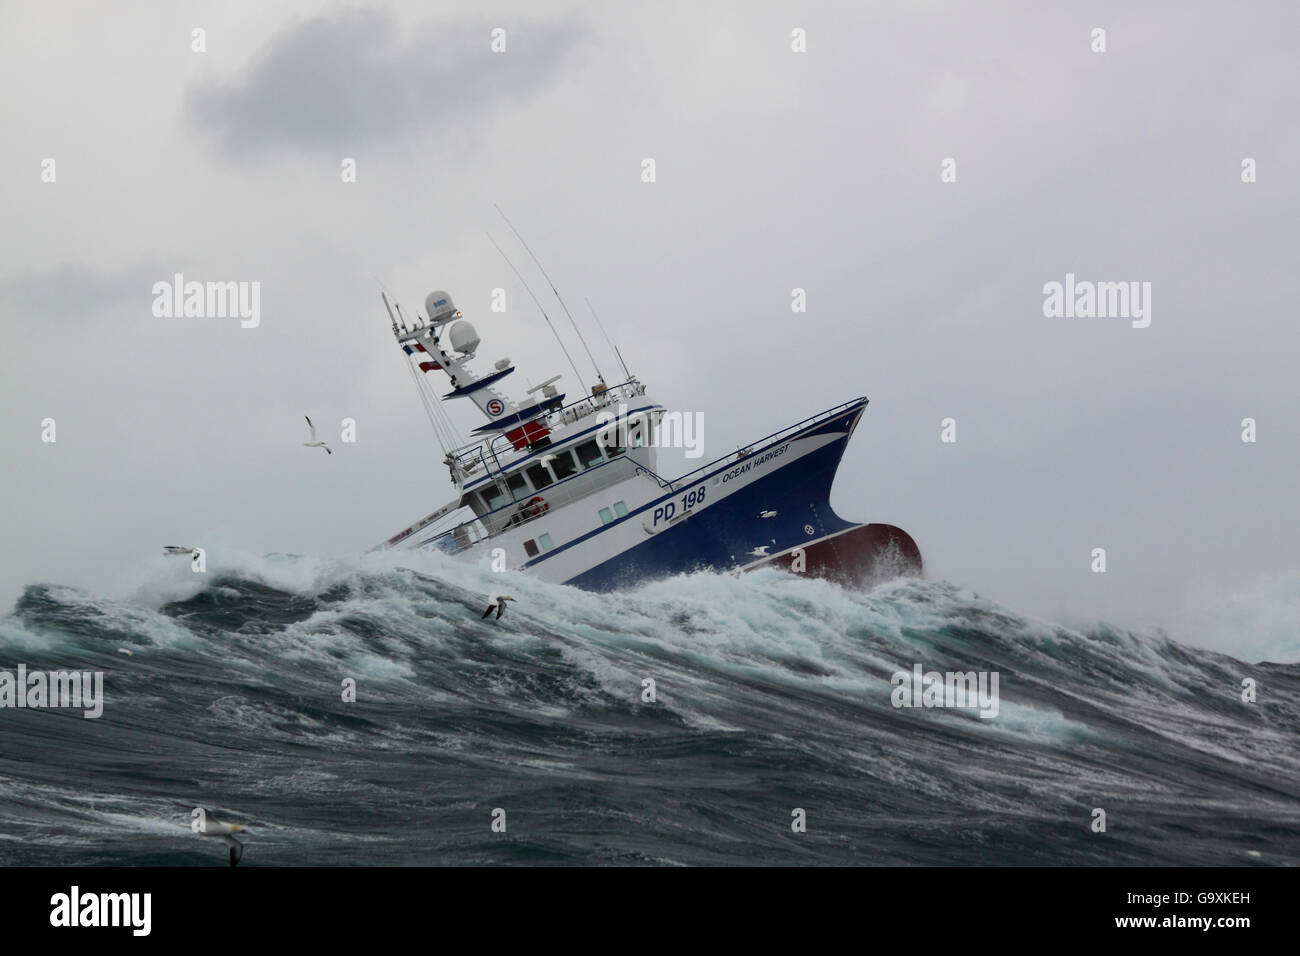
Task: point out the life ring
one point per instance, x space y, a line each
534 506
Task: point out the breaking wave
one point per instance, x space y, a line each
771 693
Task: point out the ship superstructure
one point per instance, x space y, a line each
568 489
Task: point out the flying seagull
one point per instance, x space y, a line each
767 514
760 551
497 601
227 831
314 443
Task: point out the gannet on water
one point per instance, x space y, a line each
314 443
497 601
213 827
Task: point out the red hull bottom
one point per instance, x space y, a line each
859 557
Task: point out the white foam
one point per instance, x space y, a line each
1258 622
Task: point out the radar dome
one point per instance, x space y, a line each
463 338
439 307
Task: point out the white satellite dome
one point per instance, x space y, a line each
439 307
463 338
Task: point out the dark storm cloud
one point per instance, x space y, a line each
333 82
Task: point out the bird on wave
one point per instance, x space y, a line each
497 603
213 827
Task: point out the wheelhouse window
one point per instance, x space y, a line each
494 497
519 489
539 476
589 454
530 548
545 541
562 465
620 509
605 516
635 430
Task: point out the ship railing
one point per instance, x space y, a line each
467 462
743 453
590 404
557 495
575 411
459 538
492 454
656 477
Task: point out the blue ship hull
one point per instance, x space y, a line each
724 536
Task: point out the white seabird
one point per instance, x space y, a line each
760 551
497 602
767 514
227 831
314 443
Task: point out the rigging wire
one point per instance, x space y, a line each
556 292
539 306
600 325
445 429
428 410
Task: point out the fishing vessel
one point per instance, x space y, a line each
568 488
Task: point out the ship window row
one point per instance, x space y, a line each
554 467
619 510
533 548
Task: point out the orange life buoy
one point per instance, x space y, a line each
536 505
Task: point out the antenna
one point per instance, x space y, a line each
600 325
539 306
384 296
444 428
554 290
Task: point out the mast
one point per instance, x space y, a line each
447 342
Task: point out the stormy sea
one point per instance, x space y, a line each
706 719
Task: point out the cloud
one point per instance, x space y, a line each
330 83
70 290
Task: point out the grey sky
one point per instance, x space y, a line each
353 77
775 170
